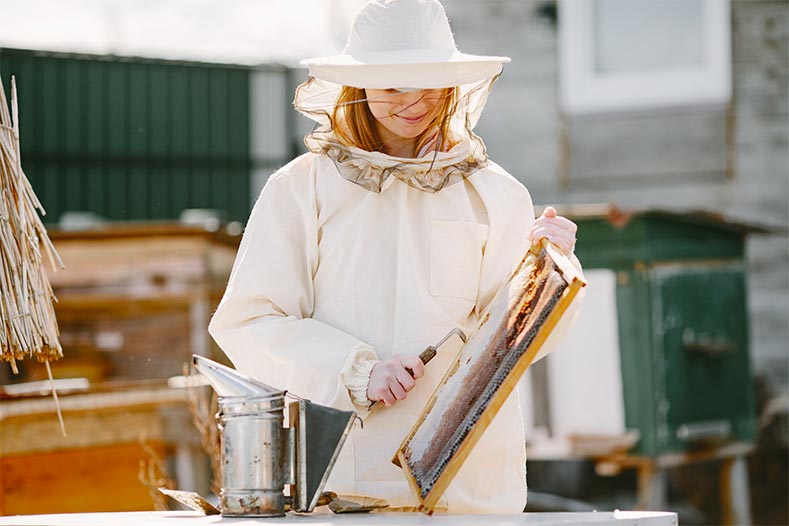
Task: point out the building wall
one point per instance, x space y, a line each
133 139
674 159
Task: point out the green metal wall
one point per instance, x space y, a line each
132 139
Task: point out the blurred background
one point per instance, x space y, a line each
660 126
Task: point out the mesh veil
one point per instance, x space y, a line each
316 99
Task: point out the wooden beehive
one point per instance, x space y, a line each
135 299
511 333
134 304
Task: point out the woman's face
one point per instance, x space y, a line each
404 115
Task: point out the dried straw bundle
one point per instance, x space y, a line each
28 327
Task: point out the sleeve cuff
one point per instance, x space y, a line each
356 377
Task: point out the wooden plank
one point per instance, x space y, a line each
681 458
400 460
641 145
326 518
107 400
73 306
74 481
125 337
88 428
135 266
144 229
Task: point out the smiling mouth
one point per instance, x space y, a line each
412 120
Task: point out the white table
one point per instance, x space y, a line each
189 518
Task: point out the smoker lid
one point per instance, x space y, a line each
229 382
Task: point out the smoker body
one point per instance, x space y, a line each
260 456
255 460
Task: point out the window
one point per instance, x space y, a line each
618 55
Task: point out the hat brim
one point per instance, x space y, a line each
405 69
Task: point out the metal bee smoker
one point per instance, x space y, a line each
260 456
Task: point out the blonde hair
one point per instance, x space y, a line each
354 123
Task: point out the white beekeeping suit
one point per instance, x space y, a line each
350 257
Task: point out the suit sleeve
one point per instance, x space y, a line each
263 322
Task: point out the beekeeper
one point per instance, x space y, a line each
393 230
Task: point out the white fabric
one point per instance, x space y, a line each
403 44
330 276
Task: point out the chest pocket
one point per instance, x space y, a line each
456 249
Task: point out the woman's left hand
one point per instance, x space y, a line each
557 229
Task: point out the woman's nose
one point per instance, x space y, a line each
412 98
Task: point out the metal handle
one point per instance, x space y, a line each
704 431
430 353
709 348
704 343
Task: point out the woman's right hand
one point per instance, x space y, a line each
390 380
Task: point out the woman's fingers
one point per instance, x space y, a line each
561 222
391 379
387 398
557 222
414 363
565 244
550 215
559 237
557 229
397 389
382 393
405 379
551 232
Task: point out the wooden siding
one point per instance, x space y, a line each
672 159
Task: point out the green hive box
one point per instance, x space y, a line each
683 323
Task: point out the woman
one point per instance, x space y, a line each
393 230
